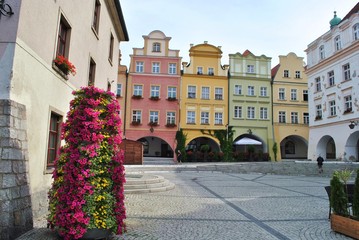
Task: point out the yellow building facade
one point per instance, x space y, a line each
290 107
204 96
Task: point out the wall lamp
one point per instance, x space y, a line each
353 124
5 9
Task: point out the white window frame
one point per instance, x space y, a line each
293 95
337 43
155 67
155 91
306 118
172 68
346 72
237 112
263 92
281 94
250 68
321 52
199 70
211 71
297 74
191 91
139 67
250 90
154 116
238 89
205 93
172 92
218 93
156 47
356 31
318 111
137 90
251 113
119 90
286 73
263 113
171 118
282 117
294 117
305 95
218 118
137 116
348 104
318 84
191 117
332 108
204 117
331 78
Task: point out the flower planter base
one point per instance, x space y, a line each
96 234
345 225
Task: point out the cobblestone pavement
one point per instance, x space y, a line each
214 205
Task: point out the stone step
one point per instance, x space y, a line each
146 183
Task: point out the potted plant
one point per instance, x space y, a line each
153 123
64 65
340 220
155 98
171 98
171 125
87 194
136 96
136 122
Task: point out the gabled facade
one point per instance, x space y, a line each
290 107
152 95
204 96
250 103
35 93
332 73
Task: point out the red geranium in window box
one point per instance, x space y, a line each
65 65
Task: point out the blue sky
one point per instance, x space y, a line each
269 27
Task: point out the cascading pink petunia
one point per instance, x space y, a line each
88 187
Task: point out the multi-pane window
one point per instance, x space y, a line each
356 31
205 92
139 67
191 117
332 108
119 90
281 117
96 16
263 91
155 67
297 74
306 118
156 47
63 38
218 118
200 70
346 72
318 113
218 93
337 43
305 95
110 54
293 94
294 117
136 116
171 118
348 103
250 91
263 113
92 72
191 92
237 111
210 71
154 116
250 112
204 117
250 68
137 90
238 89
172 68
281 94
172 92
54 138
331 80
321 52
318 85
286 73
155 91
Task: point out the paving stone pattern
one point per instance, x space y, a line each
214 205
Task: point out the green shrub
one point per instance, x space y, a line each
338 198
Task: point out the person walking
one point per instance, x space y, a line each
320 161
179 156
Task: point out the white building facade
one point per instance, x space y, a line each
35 94
333 87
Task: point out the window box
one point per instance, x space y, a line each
348 110
153 124
153 98
172 99
136 96
64 65
171 125
136 123
318 117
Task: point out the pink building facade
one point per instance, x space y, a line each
153 93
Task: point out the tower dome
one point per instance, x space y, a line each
335 21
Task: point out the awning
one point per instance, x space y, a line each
247 141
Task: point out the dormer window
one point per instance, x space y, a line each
156 47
